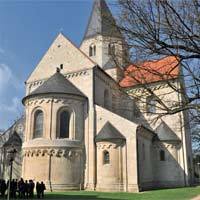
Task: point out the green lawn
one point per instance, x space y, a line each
165 194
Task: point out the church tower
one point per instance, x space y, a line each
103 42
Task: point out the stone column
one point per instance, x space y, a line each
132 164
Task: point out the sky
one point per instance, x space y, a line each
27 28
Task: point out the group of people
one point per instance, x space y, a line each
22 189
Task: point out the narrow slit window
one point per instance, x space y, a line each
106 157
162 155
92 50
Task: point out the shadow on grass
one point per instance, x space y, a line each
73 197
78 196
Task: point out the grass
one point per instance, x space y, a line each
165 194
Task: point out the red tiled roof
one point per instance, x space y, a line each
151 71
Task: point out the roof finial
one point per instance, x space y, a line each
58 70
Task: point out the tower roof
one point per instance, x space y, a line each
56 84
101 21
108 132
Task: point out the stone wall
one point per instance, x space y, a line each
178 123
59 162
129 151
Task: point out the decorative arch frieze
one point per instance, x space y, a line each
68 153
161 145
103 146
38 101
144 91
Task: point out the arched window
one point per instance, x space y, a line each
92 50
38 124
64 124
111 49
162 155
106 98
151 105
106 157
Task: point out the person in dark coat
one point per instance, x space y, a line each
31 188
43 188
26 189
3 188
14 189
21 186
38 190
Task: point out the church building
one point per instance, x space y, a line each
83 126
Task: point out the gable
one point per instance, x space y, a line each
108 132
61 52
165 133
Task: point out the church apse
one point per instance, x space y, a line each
53 147
110 142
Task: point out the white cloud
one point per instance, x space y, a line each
7 78
14 107
10 112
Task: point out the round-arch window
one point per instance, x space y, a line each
64 124
92 50
38 124
106 157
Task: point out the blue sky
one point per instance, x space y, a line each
27 28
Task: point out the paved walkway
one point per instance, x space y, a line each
196 198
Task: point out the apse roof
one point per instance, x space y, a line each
57 84
101 21
108 132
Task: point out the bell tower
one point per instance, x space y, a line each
103 42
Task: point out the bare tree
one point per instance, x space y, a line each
157 28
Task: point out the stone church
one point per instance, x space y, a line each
83 127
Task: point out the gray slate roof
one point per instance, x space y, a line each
57 84
108 132
14 129
165 133
14 140
101 21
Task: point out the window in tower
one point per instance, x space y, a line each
111 49
92 50
150 105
